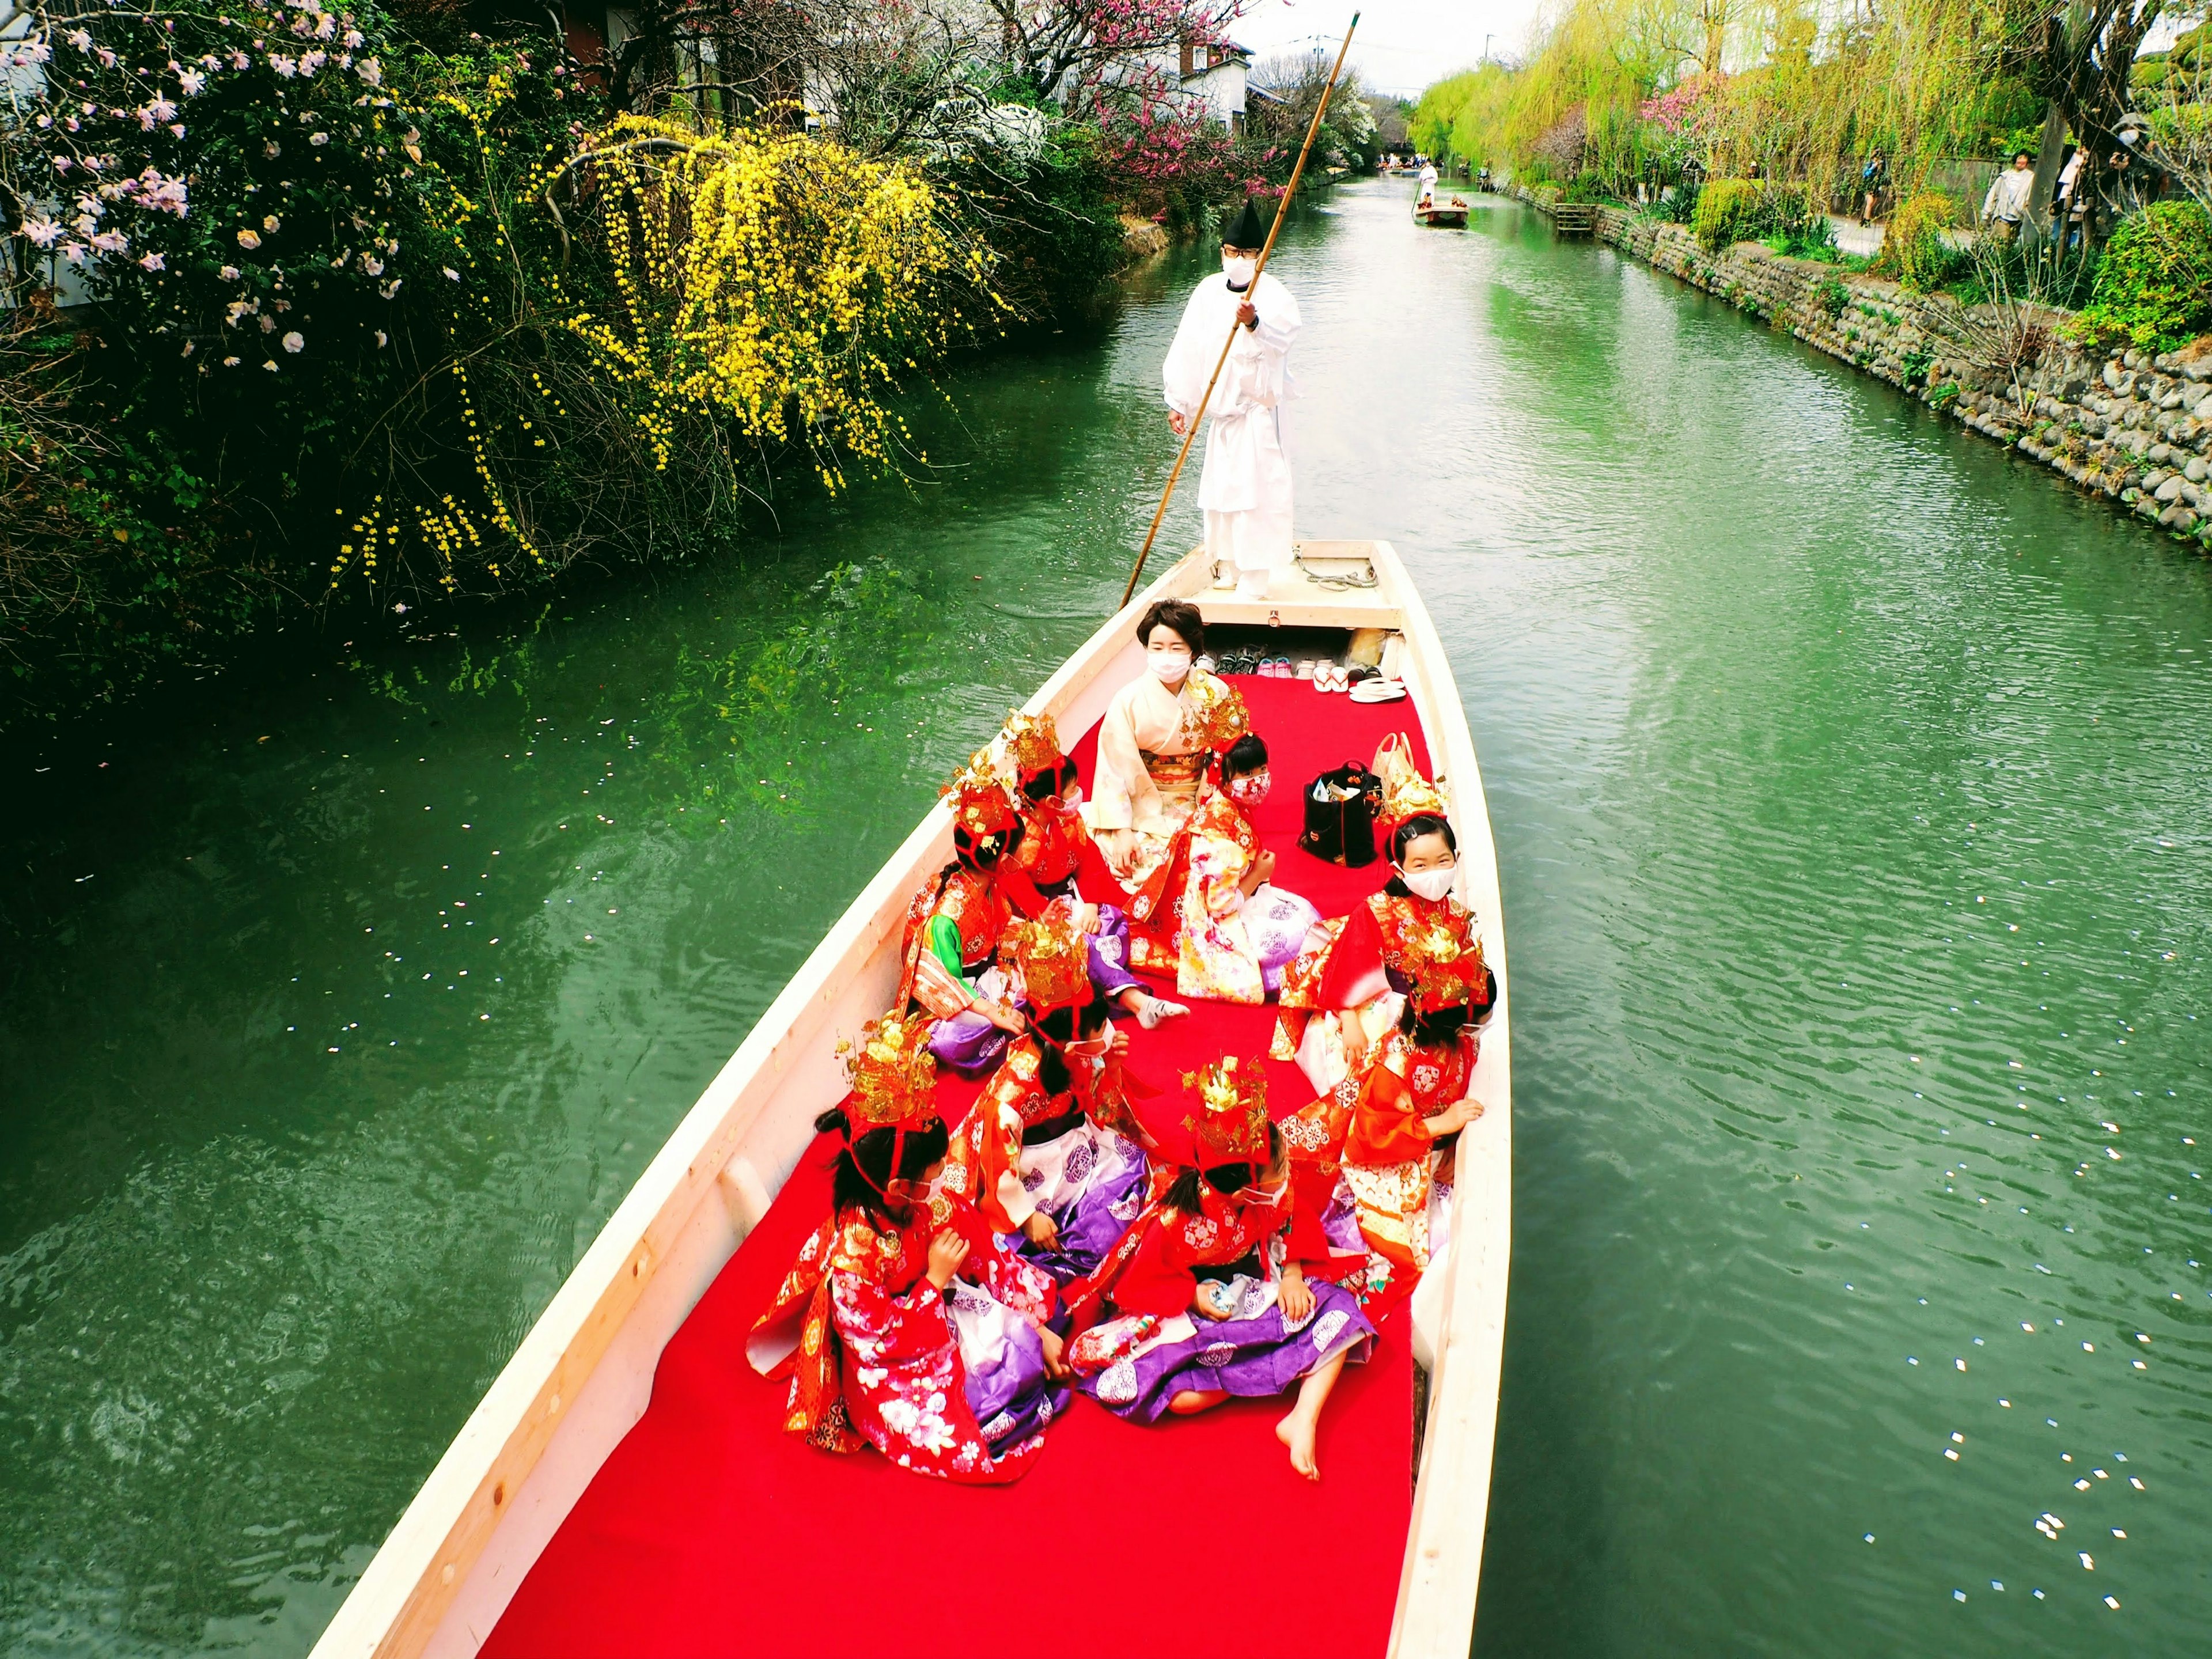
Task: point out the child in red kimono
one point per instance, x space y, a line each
902 1325
1199 1302
1405 981
1050 855
1052 1153
953 927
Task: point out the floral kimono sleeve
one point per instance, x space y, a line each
1386 1126
994 1132
880 1328
1215 958
1015 1280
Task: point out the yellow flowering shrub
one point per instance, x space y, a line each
649 302
779 279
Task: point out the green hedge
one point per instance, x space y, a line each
1913 248
1729 210
2154 282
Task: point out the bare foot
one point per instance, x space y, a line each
1190 1402
1297 1432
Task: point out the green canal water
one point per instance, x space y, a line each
1849 780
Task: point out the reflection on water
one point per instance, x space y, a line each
1848 781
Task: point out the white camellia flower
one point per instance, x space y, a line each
296 341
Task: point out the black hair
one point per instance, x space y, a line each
1049 779
1246 754
1180 615
1421 823
982 855
1060 1028
864 1164
1182 1194
1438 1028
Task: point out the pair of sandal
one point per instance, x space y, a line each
1255 663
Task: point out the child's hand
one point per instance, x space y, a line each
1041 1229
1455 1116
1054 1364
1118 1048
1214 1299
1294 1296
947 1251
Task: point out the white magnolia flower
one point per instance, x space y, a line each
43 233
153 261
230 362
79 38
287 67
451 275
190 83
111 241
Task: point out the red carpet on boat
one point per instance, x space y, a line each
711 1533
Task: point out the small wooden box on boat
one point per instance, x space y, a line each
583 1375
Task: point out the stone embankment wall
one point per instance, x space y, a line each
2127 426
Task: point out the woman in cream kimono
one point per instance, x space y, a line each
1154 744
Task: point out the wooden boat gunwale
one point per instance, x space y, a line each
582 1376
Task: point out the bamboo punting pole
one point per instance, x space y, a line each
1251 291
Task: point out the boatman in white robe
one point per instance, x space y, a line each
1428 196
1245 488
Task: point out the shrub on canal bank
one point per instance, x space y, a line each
2155 282
1915 249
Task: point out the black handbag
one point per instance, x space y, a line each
1341 808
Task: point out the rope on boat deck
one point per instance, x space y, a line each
1360 576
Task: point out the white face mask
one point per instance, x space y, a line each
1238 270
1094 1047
1168 666
1429 884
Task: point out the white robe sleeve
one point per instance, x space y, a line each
1196 345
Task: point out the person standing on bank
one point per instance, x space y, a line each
1245 488
2006 205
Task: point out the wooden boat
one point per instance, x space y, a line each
1443 216
543 1453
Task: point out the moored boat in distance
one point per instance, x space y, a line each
520 1487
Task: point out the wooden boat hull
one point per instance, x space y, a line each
582 1376
1442 218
